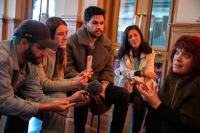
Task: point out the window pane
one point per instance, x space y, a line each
44 6
36 10
159 22
125 17
52 8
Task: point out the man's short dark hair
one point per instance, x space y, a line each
91 11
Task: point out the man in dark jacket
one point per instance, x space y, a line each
90 40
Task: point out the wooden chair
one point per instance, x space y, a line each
98 122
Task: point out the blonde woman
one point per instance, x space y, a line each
51 74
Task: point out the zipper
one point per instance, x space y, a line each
172 106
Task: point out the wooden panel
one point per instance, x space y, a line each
144 6
1 28
179 29
160 56
8 27
115 50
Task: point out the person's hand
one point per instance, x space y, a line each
57 106
80 98
88 74
151 95
133 81
151 75
79 81
97 98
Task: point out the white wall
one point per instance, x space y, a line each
87 4
71 8
9 9
1 8
188 11
59 8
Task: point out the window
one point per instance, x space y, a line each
42 9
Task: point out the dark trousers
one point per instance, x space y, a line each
113 94
138 111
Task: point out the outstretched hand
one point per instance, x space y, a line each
79 81
150 96
57 106
79 98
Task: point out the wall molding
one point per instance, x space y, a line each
198 20
71 18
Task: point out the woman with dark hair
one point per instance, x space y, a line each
175 107
136 65
51 73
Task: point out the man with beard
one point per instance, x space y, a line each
21 95
90 40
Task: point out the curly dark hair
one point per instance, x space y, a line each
190 44
91 11
126 47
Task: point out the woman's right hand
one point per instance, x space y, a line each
79 81
149 95
151 75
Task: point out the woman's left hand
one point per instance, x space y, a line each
151 75
151 95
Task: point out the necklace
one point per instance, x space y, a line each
172 106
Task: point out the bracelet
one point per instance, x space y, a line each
138 73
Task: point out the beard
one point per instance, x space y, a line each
30 56
92 34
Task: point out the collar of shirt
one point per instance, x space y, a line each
23 68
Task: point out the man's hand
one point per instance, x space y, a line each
97 98
57 106
79 81
79 98
151 75
151 95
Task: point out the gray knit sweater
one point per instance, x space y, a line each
47 81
